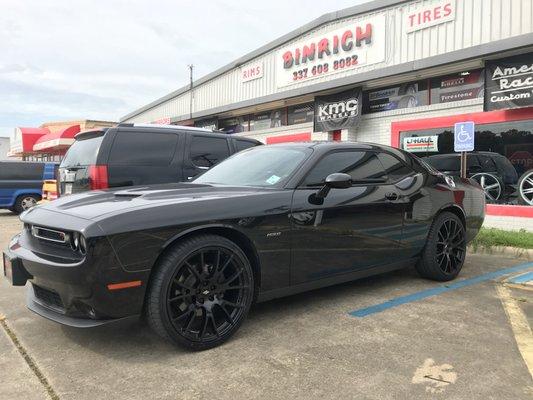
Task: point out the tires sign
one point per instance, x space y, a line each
509 83
421 144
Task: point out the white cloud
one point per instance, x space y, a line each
66 59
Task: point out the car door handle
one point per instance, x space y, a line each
392 196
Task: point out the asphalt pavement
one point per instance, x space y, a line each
421 340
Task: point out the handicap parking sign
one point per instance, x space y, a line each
464 136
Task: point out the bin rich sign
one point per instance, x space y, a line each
509 83
338 111
345 48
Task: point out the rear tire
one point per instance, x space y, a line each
200 292
444 254
25 202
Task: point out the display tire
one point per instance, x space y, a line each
192 259
522 183
452 247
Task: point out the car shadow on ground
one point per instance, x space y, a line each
133 340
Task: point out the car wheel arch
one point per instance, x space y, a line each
455 209
237 237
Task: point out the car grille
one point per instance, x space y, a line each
48 297
50 235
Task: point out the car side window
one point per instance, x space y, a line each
21 171
143 148
487 163
208 151
394 168
241 145
360 165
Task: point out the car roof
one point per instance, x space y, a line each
327 145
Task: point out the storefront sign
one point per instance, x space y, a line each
346 48
434 13
338 111
404 96
162 121
466 85
419 144
251 72
509 83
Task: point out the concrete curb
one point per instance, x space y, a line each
502 250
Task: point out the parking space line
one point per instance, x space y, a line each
519 325
363 312
521 278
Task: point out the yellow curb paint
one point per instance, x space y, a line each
519 324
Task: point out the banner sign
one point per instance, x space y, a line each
421 144
464 86
338 111
509 83
351 45
393 98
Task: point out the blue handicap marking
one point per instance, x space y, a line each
398 301
464 136
521 279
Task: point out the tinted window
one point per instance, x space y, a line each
360 165
452 163
241 145
139 148
21 171
208 151
263 166
487 163
83 152
394 168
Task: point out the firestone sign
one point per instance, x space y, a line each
346 48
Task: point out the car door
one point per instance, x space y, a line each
203 152
354 228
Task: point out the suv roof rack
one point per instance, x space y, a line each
181 127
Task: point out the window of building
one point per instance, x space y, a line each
267 120
208 151
301 114
462 86
234 125
360 165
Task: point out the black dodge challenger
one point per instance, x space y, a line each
268 222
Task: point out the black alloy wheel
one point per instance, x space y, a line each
444 254
201 292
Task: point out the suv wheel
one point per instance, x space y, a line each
444 254
525 188
201 292
25 202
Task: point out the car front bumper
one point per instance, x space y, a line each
75 294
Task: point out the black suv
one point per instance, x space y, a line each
494 172
133 154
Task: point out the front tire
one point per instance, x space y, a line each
201 292
444 254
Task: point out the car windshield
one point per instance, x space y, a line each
260 166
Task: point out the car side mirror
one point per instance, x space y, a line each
334 181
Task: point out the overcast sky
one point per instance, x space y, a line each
64 59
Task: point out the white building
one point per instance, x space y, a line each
4 147
422 66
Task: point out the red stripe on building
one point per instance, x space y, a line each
297 137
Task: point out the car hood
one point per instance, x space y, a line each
95 205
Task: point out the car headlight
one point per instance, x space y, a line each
449 180
78 242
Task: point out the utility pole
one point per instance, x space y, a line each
191 94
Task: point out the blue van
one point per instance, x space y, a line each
21 183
